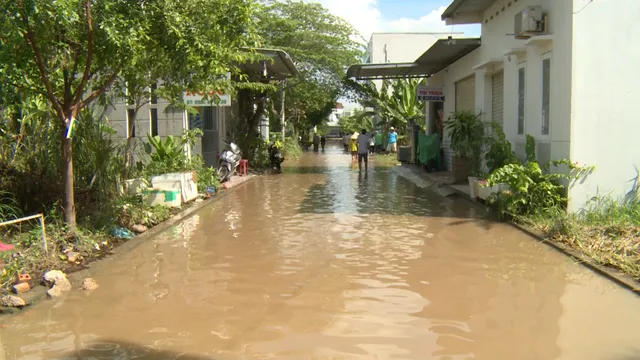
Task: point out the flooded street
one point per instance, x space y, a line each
324 263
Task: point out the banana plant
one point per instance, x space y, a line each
396 102
169 151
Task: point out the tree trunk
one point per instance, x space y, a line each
68 177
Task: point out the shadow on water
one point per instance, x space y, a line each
122 350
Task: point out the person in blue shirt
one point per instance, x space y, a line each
392 137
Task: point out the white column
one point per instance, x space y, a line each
483 93
185 126
427 117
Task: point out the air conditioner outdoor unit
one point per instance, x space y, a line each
528 22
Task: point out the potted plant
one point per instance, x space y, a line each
466 132
499 154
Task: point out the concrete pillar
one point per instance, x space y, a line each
483 93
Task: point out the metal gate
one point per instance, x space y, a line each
210 136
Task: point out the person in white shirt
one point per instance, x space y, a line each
363 150
372 143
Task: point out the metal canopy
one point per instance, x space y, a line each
386 71
466 11
445 52
441 54
279 67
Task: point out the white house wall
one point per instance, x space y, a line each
401 47
496 46
605 96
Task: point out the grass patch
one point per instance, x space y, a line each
607 231
386 160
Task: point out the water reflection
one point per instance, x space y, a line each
327 262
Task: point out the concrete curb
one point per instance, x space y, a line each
38 293
612 274
620 278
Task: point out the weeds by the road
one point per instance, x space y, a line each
608 231
98 233
291 149
385 160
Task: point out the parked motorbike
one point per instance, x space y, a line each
229 161
275 157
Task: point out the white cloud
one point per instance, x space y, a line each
429 22
366 17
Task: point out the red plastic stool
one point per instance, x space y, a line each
243 167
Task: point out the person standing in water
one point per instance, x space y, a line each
372 143
363 150
393 140
353 147
378 141
316 142
323 141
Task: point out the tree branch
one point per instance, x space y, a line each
85 76
26 88
99 92
30 38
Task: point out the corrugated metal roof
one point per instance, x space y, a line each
461 7
441 54
280 67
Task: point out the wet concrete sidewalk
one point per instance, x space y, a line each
325 262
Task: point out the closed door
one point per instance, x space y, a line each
466 94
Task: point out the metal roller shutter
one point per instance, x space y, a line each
465 100
497 97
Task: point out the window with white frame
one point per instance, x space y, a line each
521 98
546 94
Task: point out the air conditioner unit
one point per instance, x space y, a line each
528 22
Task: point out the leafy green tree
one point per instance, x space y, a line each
322 46
72 52
360 119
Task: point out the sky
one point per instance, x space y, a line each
369 16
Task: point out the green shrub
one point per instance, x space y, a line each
207 175
532 191
499 152
291 148
9 209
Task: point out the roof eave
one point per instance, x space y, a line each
452 9
453 16
463 19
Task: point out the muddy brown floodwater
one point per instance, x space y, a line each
324 263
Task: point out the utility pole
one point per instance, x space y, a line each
284 83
